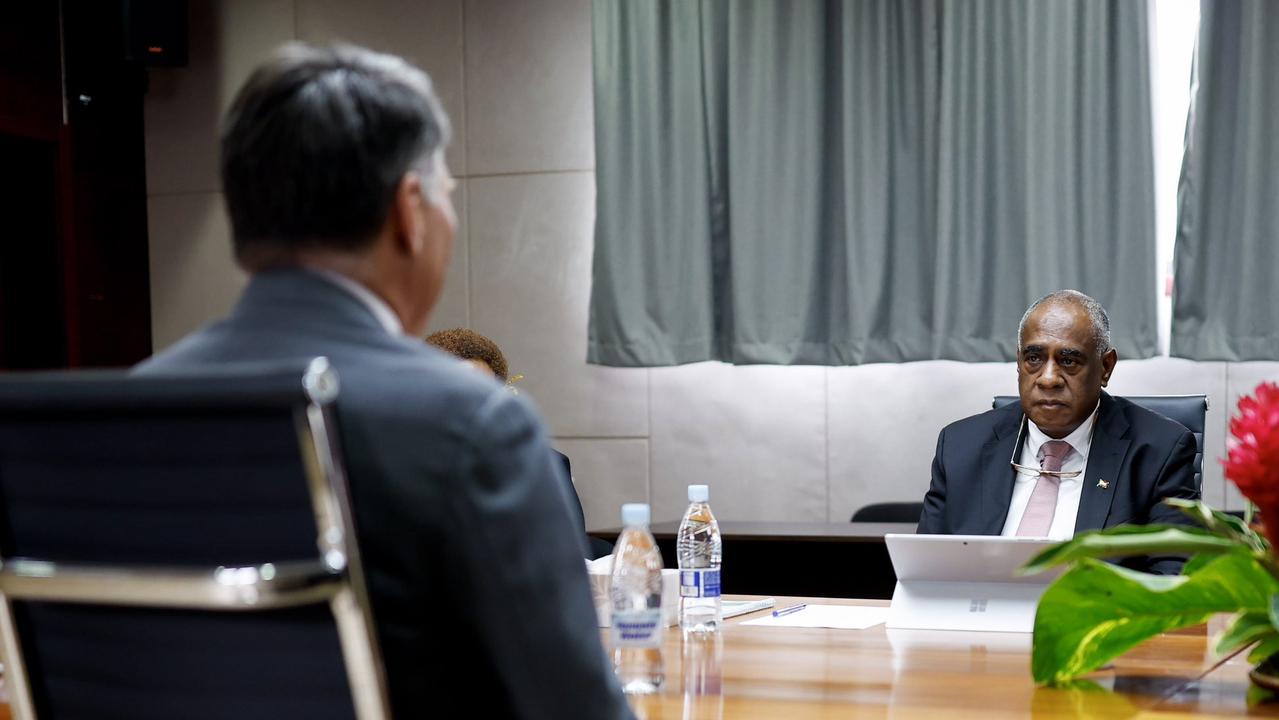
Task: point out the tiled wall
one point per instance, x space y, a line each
774 443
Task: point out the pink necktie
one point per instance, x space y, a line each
1038 518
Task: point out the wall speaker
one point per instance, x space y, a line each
155 32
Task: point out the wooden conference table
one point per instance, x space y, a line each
799 673
762 673
844 560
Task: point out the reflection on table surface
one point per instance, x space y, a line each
769 672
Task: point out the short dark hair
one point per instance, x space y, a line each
317 141
470 345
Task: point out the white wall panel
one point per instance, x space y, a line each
194 279
454 306
607 473
884 421
427 34
528 86
755 434
183 106
530 240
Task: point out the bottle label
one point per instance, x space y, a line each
703 583
637 628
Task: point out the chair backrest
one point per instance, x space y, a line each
1189 410
181 546
892 512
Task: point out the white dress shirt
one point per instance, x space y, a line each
1069 489
385 315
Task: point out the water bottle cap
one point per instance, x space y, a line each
699 493
635 514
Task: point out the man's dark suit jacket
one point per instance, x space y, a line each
594 548
475 570
1144 457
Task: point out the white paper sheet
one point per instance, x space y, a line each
840 617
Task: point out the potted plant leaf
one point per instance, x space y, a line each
1096 610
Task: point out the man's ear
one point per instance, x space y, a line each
1108 365
408 214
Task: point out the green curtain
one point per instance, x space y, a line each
805 182
1225 296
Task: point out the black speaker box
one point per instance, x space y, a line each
155 32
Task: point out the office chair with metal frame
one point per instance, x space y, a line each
889 512
181 546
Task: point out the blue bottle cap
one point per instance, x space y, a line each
635 514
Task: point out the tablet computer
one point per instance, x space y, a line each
965 582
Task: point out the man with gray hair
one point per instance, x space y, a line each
334 176
1069 457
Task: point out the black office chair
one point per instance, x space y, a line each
1189 410
181 547
893 512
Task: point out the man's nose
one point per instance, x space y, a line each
1051 375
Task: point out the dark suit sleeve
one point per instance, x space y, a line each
930 521
574 502
526 577
595 548
1176 479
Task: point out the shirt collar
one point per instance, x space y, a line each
1080 440
385 315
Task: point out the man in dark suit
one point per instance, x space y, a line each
1070 457
333 171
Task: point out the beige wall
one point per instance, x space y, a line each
774 443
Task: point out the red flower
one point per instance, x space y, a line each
1253 459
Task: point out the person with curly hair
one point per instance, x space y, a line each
472 347
484 354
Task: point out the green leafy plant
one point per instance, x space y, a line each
1097 611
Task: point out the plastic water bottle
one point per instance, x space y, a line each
699 550
636 593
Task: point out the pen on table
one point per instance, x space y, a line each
789 610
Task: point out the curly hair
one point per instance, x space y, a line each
470 345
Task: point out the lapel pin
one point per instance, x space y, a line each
1103 484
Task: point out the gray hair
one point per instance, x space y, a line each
1096 314
316 143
